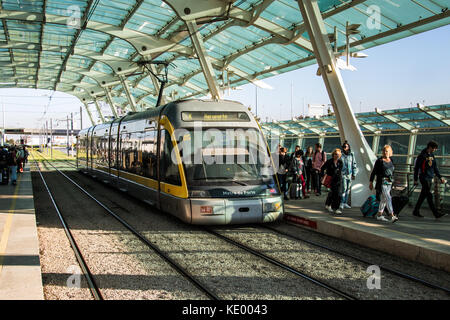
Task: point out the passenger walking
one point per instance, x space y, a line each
4 175
383 170
349 171
296 169
319 159
26 154
12 164
20 159
292 156
333 168
282 170
424 170
308 168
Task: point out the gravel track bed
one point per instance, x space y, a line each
227 270
55 252
341 272
122 266
432 275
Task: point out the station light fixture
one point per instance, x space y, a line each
349 30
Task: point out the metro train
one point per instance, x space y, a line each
205 162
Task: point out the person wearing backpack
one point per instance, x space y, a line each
4 165
383 170
424 170
282 171
349 171
296 169
319 159
12 164
20 159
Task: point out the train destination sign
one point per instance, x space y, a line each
214 116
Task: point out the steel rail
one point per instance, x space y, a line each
95 291
147 242
281 265
395 272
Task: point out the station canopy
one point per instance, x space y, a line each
89 48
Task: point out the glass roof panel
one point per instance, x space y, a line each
23 5
250 48
111 12
120 48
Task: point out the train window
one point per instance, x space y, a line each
149 150
169 171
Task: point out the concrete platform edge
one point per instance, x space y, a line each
432 258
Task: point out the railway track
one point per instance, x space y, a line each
241 246
91 281
384 268
283 265
299 273
93 287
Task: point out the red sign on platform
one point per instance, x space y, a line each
300 220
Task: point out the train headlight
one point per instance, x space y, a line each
273 206
199 194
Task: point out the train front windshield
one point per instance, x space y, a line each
234 160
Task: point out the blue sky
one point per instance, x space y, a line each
395 75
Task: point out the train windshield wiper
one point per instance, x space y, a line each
223 178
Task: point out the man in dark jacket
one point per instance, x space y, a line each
424 170
4 174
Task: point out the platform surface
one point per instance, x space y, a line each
20 269
425 240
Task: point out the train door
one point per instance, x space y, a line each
122 159
172 184
89 153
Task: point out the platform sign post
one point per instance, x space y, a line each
348 125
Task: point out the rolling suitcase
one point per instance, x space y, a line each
5 175
400 201
295 190
370 206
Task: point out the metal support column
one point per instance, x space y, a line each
376 142
89 114
203 59
110 102
99 111
130 97
348 126
412 147
322 140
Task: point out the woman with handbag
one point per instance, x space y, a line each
383 171
333 180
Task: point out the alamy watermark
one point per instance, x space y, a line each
74 281
241 146
374 280
74 17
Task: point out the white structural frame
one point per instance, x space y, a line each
348 125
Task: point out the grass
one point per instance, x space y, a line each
57 155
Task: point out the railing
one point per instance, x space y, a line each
405 179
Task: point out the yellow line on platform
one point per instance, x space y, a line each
8 224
